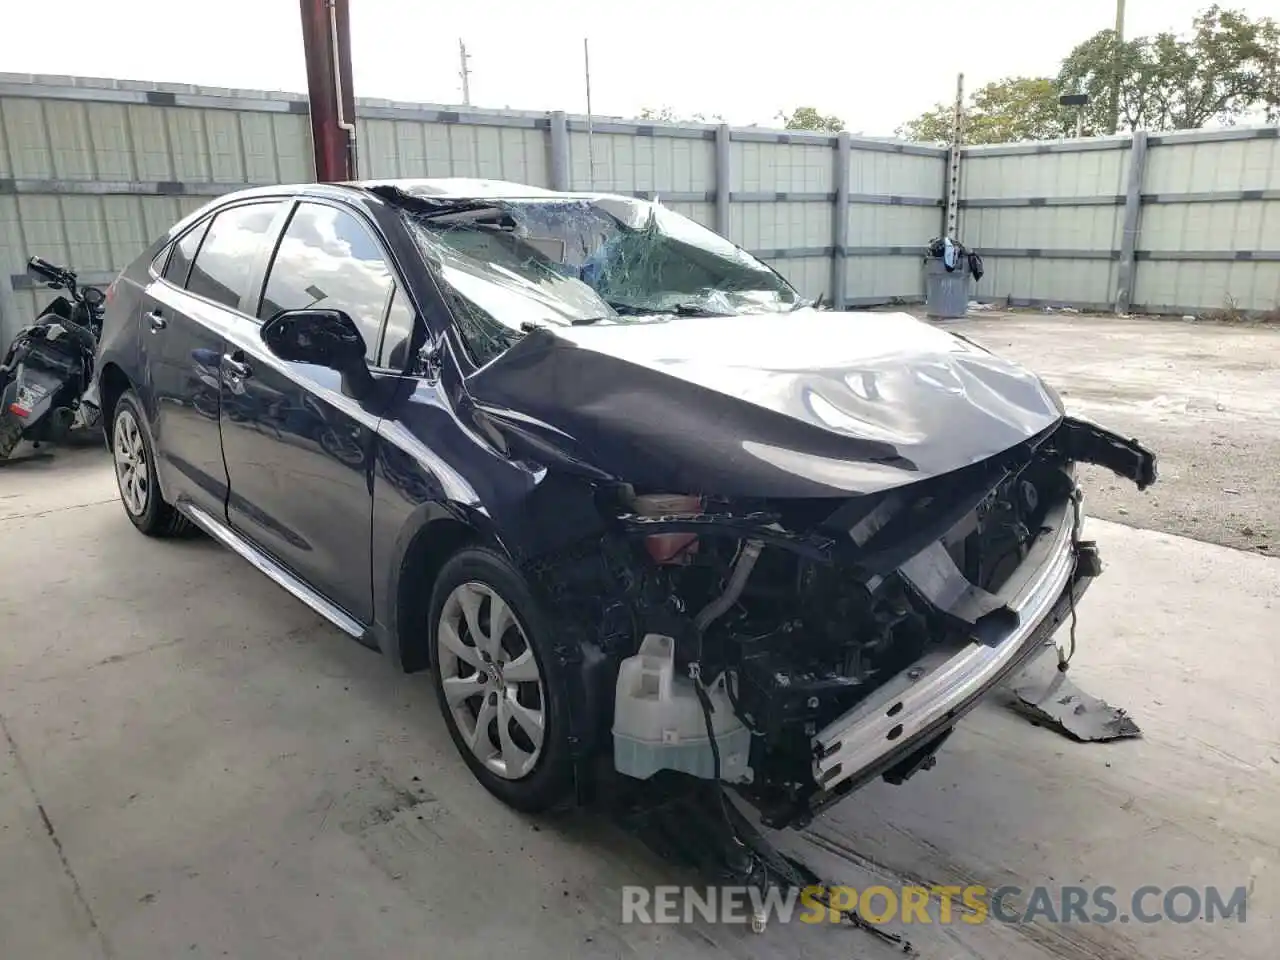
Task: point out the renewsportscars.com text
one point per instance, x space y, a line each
910 905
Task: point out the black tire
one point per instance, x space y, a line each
11 427
156 518
548 783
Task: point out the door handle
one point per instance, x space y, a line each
157 321
236 367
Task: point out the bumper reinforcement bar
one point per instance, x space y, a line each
912 704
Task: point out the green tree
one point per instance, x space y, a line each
1226 69
808 118
1016 108
668 115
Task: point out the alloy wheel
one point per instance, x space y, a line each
490 680
131 463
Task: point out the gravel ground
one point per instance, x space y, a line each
1204 396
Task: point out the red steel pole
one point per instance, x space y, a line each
326 41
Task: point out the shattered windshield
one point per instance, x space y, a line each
512 265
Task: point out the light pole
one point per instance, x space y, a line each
1079 101
586 72
464 72
1117 71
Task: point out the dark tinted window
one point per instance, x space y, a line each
184 251
399 331
328 260
222 267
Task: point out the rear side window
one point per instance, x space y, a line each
329 260
225 261
184 251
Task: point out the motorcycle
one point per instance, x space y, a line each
49 364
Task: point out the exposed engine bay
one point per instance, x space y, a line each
742 638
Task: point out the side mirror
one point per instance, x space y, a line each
327 338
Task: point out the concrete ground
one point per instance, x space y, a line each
196 765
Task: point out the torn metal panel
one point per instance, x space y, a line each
1049 697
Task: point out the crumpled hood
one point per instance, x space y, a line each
810 403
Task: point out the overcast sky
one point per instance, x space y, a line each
873 64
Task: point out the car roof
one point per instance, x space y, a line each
464 188
452 188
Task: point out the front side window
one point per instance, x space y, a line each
399 332
225 260
329 260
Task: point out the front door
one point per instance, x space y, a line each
184 315
298 450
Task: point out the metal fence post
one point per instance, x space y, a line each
723 179
9 321
840 223
951 200
1127 272
559 151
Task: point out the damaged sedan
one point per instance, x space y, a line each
631 499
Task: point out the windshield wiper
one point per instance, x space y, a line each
800 304
677 309
624 309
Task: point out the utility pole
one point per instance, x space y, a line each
1117 70
326 42
591 150
464 72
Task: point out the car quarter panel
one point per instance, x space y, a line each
120 345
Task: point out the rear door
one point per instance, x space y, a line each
185 313
297 446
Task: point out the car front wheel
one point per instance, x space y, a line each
135 467
498 682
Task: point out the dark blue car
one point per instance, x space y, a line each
609 476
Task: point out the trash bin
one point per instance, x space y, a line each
946 292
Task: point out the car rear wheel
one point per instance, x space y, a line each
135 466
498 682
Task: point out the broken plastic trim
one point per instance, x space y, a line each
1086 442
